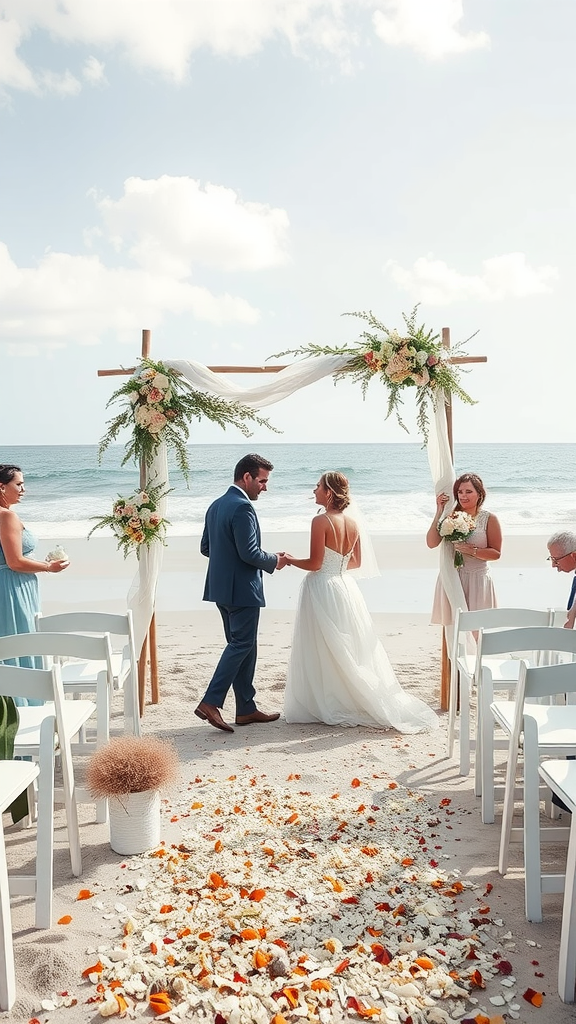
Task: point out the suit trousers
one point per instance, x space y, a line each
238 659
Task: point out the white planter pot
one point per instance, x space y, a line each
135 822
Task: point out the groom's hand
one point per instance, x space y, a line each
282 560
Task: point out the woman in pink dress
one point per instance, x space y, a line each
483 546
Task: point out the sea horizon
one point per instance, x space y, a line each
531 488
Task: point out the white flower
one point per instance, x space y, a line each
447 527
141 499
421 357
142 416
161 382
57 554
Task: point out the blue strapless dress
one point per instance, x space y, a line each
19 603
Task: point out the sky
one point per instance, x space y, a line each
235 175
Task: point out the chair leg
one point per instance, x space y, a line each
532 856
45 832
132 707
452 705
485 698
70 803
464 724
567 960
102 732
508 810
7 976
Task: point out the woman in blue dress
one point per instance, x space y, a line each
19 596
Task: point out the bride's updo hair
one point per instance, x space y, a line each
339 489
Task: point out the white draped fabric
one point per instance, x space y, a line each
278 386
443 476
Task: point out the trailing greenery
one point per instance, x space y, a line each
415 359
159 405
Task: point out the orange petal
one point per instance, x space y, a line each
215 881
84 894
320 985
65 920
425 963
291 995
218 846
205 936
355 783
257 894
342 966
249 933
261 959
291 819
159 1002
166 908
96 969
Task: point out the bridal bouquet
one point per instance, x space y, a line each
159 405
135 520
457 527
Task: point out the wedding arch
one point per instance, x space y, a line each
228 403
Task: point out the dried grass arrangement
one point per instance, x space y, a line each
131 764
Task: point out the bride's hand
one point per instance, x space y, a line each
441 501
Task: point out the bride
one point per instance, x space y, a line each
339 672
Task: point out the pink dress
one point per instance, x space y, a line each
474 576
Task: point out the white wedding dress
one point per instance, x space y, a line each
339 672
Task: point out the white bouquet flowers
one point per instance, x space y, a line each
456 527
57 554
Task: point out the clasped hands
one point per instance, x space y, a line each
283 559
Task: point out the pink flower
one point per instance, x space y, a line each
154 395
399 366
432 360
155 519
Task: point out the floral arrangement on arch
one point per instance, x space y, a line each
158 406
414 359
135 520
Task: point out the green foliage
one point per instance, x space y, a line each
159 405
417 359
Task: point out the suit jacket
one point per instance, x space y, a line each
231 541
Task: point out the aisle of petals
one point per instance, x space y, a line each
280 905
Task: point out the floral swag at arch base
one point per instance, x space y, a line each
161 398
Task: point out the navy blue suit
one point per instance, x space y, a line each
231 542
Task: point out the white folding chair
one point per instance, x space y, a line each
503 671
15 778
90 649
45 732
560 777
543 644
83 677
538 730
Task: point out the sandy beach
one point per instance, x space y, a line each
317 798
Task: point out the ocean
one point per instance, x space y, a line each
531 488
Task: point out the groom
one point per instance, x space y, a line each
231 542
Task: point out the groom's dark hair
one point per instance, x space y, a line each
251 464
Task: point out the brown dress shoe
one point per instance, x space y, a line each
257 716
208 713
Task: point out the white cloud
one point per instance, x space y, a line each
77 299
171 223
164 34
502 277
13 72
430 27
63 84
93 71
